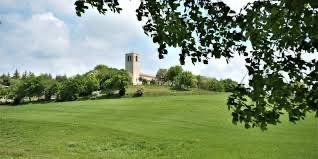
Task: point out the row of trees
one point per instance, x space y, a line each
177 78
107 80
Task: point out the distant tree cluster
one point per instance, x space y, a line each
177 78
19 88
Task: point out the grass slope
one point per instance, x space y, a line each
152 91
165 127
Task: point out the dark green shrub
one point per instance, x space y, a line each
139 92
69 91
122 92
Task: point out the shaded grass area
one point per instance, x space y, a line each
152 91
165 127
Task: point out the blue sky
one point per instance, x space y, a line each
46 36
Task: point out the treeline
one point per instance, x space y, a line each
102 79
177 78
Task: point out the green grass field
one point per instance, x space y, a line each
166 127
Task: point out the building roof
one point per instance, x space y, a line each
145 75
132 53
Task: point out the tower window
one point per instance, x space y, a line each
136 58
129 58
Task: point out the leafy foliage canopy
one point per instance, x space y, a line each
276 38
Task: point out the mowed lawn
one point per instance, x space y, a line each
167 127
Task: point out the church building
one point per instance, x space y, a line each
132 65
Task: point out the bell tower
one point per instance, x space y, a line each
132 65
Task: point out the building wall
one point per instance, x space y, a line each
147 77
132 65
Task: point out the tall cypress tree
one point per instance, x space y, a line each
16 74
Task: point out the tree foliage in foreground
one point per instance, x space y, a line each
281 61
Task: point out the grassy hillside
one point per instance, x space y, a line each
165 127
151 91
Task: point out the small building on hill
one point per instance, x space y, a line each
132 65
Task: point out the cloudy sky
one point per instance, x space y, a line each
47 36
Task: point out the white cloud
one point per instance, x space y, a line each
65 7
60 7
46 32
52 39
32 43
43 34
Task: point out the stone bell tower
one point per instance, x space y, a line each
132 65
